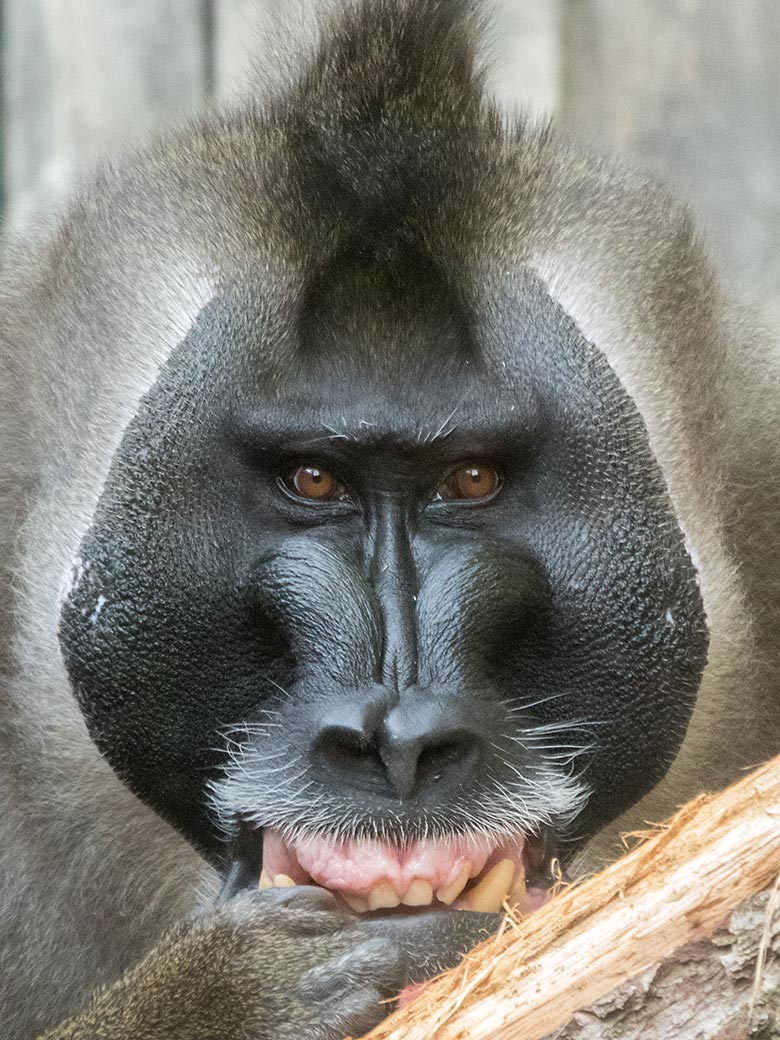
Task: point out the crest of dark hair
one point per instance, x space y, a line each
385 120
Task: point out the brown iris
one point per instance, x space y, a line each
314 484
469 483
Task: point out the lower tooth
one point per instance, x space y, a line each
283 881
517 893
265 881
449 893
488 895
383 897
419 893
357 903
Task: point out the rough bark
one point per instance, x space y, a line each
705 990
612 940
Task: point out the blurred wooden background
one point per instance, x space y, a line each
686 89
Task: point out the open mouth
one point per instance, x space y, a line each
371 876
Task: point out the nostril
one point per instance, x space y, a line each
346 750
455 759
339 740
432 764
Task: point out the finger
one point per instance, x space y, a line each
435 941
377 964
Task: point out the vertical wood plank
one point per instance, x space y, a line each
27 87
239 30
690 91
86 77
524 55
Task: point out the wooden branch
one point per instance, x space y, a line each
676 887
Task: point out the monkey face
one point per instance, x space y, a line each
391 576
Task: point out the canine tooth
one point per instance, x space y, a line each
383 896
265 881
518 885
419 893
449 893
517 895
283 881
488 895
357 903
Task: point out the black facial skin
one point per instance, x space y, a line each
391 640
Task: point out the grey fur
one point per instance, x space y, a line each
91 878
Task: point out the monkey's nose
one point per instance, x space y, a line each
421 749
436 763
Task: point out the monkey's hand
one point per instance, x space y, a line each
276 965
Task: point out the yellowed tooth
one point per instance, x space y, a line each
283 881
449 893
419 893
518 885
357 903
517 895
488 895
383 896
265 881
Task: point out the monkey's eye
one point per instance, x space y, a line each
473 482
314 484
